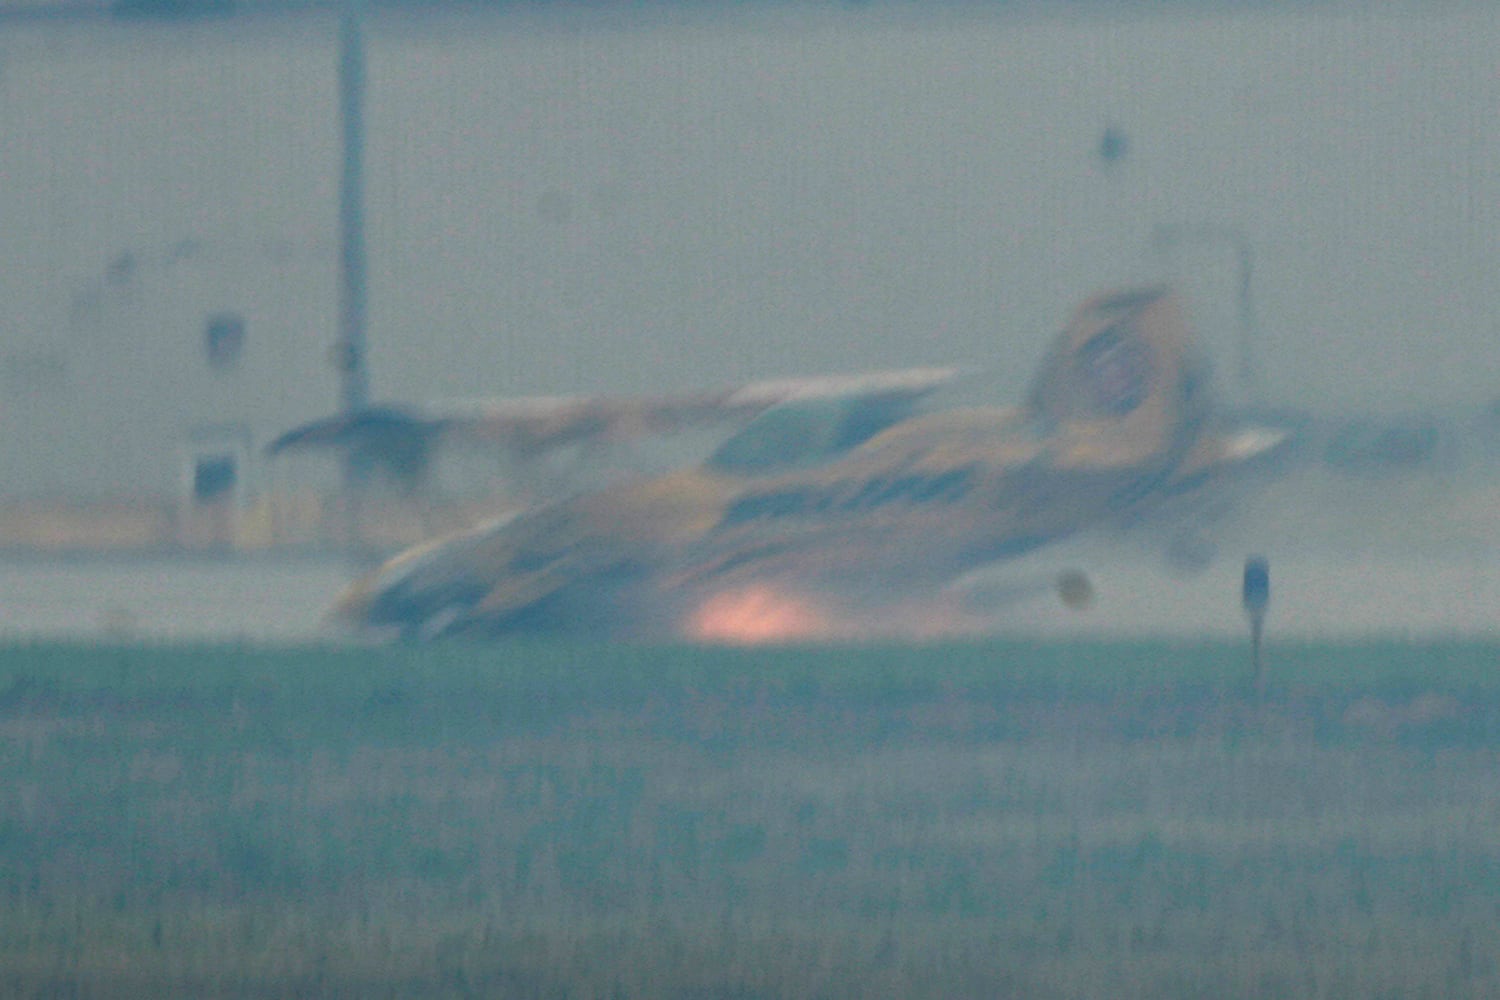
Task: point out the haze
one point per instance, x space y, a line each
574 199
583 201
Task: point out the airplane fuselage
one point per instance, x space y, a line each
840 518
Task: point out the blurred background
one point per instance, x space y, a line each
583 198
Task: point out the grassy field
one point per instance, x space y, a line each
987 820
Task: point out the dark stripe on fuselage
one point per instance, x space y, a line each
851 496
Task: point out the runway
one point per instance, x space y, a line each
1325 595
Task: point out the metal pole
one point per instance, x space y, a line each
354 390
1246 308
349 351
1168 237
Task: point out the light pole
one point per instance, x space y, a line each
349 350
1166 237
354 389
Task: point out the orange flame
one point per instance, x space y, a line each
753 615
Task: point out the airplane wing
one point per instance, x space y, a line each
402 439
856 517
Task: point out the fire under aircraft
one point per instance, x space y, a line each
840 509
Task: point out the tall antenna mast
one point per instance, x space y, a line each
354 388
349 351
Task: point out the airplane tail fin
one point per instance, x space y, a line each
1123 382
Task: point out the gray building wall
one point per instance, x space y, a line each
155 177
579 201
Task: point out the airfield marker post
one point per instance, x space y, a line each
1255 594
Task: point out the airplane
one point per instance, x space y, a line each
839 510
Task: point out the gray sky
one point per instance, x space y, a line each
825 195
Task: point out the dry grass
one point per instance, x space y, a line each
977 821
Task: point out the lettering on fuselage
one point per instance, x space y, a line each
851 496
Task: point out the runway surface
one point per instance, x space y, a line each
1326 595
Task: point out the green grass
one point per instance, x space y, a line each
576 670
989 819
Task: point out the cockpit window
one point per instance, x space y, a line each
805 432
1116 373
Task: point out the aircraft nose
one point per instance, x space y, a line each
417 595
423 612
